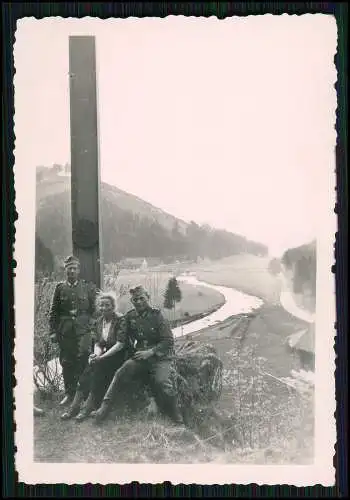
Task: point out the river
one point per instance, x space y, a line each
235 303
288 303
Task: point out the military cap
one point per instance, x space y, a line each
71 261
138 290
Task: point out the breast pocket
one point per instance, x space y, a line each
63 302
83 303
152 334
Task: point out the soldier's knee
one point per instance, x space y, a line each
162 373
129 367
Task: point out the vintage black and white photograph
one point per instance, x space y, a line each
174 297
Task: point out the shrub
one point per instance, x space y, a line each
268 413
47 371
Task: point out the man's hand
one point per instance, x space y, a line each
95 358
143 355
92 358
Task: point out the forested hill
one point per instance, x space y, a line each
301 262
131 227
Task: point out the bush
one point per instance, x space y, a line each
47 371
267 412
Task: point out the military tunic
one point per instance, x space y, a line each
71 319
148 331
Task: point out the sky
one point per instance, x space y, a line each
229 123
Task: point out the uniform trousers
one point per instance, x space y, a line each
72 368
74 355
155 373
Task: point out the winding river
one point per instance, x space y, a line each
235 303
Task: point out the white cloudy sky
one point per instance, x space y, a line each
229 123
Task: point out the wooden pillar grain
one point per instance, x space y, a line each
85 171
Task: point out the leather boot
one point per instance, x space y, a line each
103 411
75 407
171 408
88 408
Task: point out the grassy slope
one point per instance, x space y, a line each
271 418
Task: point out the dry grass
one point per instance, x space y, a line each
138 441
124 441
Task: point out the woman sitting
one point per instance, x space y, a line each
111 349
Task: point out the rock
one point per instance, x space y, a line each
198 373
197 377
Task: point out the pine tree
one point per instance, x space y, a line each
177 291
172 295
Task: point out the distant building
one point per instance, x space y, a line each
134 263
144 265
154 261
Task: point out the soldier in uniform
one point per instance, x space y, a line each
153 343
71 320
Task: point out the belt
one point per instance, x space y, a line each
74 314
142 345
70 315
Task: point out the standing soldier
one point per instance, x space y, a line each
153 339
71 320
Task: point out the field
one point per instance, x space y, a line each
249 274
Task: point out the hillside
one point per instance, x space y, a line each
131 225
51 185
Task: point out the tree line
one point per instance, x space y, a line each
303 260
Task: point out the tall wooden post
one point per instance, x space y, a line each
85 173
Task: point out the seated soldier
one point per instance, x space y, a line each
110 352
153 342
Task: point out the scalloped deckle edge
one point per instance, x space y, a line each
322 471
